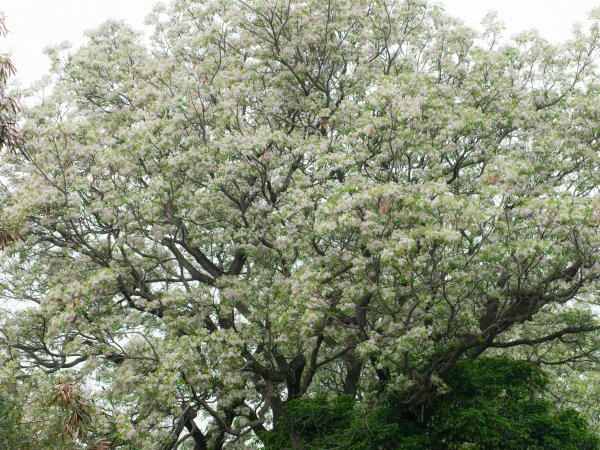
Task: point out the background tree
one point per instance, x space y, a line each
9 137
8 105
492 403
279 200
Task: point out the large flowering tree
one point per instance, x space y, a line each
276 199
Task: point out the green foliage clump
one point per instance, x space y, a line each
12 435
492 403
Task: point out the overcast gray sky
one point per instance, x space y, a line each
35 24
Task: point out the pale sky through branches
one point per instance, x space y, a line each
35 24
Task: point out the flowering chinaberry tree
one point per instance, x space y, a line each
281 198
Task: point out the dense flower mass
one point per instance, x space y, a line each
277 199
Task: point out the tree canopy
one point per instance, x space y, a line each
278 201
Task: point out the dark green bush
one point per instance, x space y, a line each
492 403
